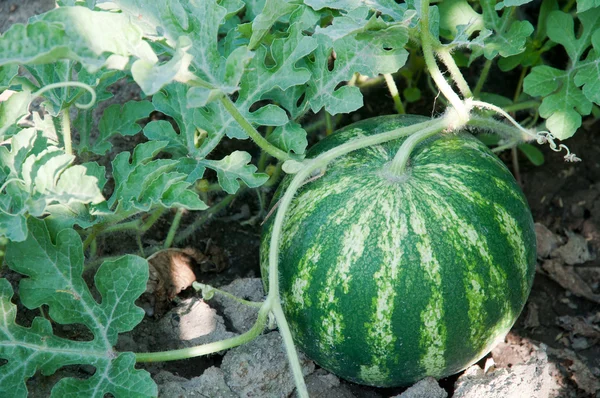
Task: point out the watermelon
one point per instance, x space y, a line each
386 279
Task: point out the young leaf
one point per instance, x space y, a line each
386 7
509 35
162 130
37 176
373 48
290 138
144 182
54 279
199 21
584 5
77 33
7 73
235 167
122 120
534 155
563 100
12 110
271 12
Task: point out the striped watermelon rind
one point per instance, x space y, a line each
388 279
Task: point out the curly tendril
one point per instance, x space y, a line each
542 137
52 86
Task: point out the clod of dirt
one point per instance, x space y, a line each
260 368
532 316
578 371
241 317
426 388
531 379
576 251
546 241
210 384
322 384
584 332
567 277
191 323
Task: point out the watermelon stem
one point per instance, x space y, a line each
427 43
397 167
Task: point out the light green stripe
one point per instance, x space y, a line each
306 204
433 331
458 230
380 335
339 275
513 233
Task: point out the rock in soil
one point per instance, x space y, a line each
531 379
322 384
191 323
211 384
426 388
260 368
241 317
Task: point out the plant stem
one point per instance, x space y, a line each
152 219
482 78
286 335
174 227
328 123
434 70
519 106
206 289
391 83
520 84
252 132
398 165
65 124
457 76
204 216
210 348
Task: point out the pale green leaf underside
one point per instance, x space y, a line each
235 167
38 176
76 33
54 279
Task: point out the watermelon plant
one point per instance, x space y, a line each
399 247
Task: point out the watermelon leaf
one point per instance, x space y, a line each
568 94
54 279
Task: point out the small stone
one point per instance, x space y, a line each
191 323
241 317
426 388
531 379
210 384
546 241
324 384
260 368
576 251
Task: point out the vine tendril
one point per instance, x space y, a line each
542 137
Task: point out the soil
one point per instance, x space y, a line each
561 318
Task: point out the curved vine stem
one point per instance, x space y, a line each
52 86
433 68
457 76
251 131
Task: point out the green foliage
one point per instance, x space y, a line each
54 279
568 94
213 72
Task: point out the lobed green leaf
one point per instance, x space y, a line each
54 279
568 94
